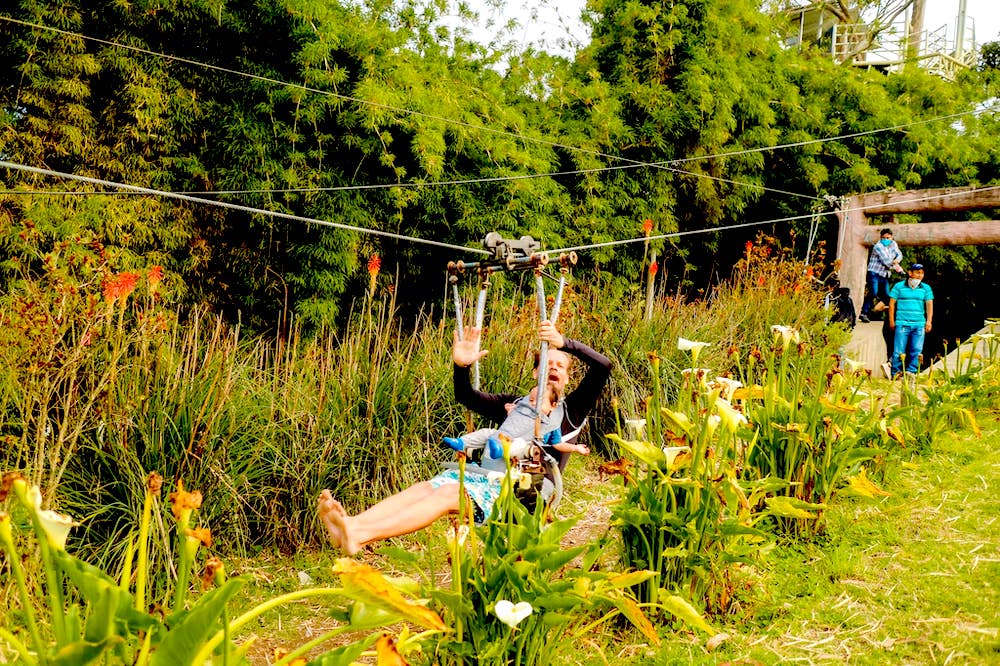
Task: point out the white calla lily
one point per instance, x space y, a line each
729 386
457 536
671 452
699 373
787 334
852 366
692 346
57 527
638 426
511 614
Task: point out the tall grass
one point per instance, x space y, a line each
99 391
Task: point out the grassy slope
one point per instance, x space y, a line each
910 579
913 578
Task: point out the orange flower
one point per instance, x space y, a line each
183 503
647 226
202 534
653 267
749 247
120 286
154 277
374 264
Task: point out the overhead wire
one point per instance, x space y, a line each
377 232
630 164
791 218
225 204
665 164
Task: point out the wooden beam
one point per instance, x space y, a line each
945 199
937 233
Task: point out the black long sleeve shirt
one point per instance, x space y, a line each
577 403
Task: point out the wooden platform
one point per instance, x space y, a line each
868 347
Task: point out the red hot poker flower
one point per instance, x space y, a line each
653 267
374 264
647 226
120 286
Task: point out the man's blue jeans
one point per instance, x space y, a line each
878 286
909 340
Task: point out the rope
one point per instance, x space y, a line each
231 206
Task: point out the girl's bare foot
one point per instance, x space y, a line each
337 523
324 507
342 522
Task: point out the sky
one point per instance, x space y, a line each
550 23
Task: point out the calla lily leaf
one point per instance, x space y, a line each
684 611
644 451
365 584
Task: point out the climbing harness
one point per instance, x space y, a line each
510 255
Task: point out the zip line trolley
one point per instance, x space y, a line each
513 255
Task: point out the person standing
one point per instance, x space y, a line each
911 309
884 259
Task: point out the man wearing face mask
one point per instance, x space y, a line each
884 259
911 308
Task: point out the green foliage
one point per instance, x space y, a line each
516 596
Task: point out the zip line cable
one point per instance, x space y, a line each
299 218
631 163
381 186
520 137
793 218
232 206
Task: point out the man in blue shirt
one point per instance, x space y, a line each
884 259
911 309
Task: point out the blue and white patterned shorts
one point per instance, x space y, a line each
482 490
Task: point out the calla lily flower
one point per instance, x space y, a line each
729 386
852 366
457 536
787 334
511 614
672 452
699 373
183 503
712 423
692 346
731 417
638 426
57 527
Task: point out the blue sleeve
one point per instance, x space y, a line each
929 295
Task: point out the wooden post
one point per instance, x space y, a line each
857 235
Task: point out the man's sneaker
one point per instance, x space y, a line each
864 319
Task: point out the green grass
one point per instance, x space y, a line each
907 579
